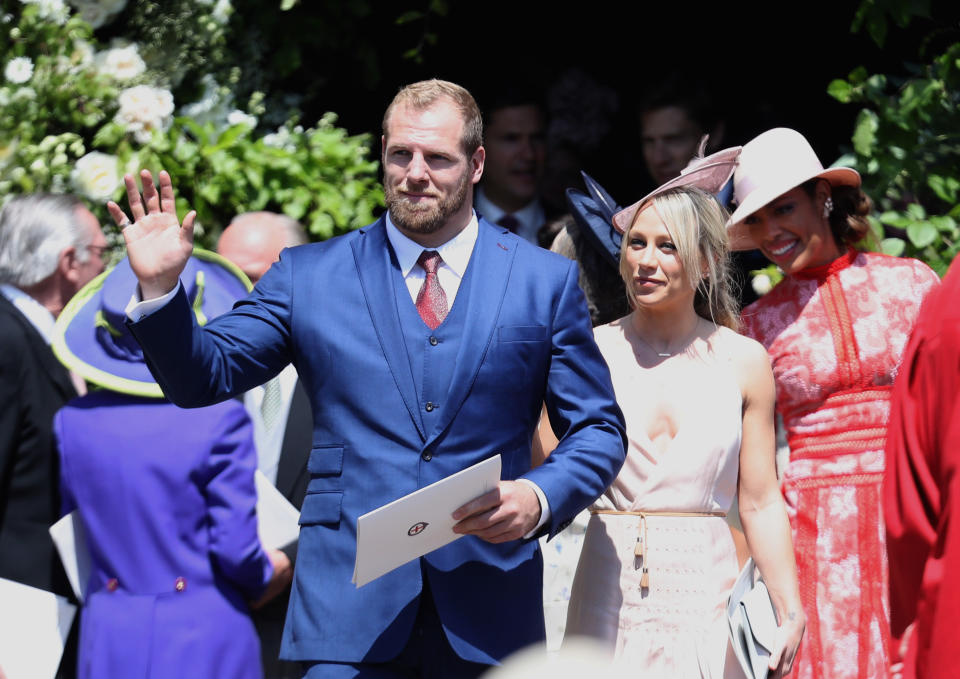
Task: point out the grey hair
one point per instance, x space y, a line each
34 230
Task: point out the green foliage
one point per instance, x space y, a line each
77 117
319 176
906 145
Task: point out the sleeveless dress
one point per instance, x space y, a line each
676 627
836 335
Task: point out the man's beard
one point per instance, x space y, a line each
425 217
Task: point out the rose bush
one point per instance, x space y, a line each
78 115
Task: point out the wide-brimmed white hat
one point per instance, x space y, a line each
770 165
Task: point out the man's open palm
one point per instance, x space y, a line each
157 244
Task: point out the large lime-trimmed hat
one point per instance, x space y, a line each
92 339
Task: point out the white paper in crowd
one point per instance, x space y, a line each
33 630
418 523
277 519
71 542
752 623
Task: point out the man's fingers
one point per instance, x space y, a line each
479 504
133 197
167 202
150 196
187 226
117 214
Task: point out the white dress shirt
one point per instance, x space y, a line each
270 443
38 315
531 217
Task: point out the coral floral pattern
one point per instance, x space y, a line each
836 335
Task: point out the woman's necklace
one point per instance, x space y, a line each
682 345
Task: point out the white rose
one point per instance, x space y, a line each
122 63
19 70
221 11
97 176
82 53
144 109
761 284
237 117
53 10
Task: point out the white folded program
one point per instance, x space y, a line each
752 622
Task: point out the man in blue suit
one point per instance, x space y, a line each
427 341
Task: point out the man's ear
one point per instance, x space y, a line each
476 164
68 264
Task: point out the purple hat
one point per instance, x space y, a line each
709 174
91 336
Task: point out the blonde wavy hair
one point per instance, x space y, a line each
696 222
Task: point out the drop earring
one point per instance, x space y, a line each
827 207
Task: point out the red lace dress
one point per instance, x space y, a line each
835 335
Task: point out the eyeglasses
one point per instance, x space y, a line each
98 250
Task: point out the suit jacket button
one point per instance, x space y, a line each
112 585
427 456
180 584
429 407
434 341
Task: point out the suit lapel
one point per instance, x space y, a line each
59 376
490 266
378 274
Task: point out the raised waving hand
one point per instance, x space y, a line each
157 244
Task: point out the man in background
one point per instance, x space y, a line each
514 138
280 410
50 247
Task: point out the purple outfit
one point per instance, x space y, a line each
167 499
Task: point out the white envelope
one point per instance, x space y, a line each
418 523
71 543
33 629
277 519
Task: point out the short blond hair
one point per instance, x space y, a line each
697 226
422 95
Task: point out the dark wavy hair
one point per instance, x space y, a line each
848 220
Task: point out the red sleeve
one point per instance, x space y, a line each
914 500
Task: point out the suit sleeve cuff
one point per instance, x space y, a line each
138 309
544 508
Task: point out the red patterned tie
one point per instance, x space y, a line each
431 300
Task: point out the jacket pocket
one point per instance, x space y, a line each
522 333
325 461
323 507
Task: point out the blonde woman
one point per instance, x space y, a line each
658 560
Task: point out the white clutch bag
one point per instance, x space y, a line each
752 622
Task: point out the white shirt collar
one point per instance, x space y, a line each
531 216
38 315
455 252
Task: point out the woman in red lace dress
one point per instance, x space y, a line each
835 329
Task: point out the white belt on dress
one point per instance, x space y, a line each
638 550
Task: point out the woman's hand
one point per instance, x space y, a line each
158 246
789 634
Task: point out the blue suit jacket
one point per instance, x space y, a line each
331 309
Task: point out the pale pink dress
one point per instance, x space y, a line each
675 628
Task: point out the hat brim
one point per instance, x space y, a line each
596 229
738 233
74 341
709 174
